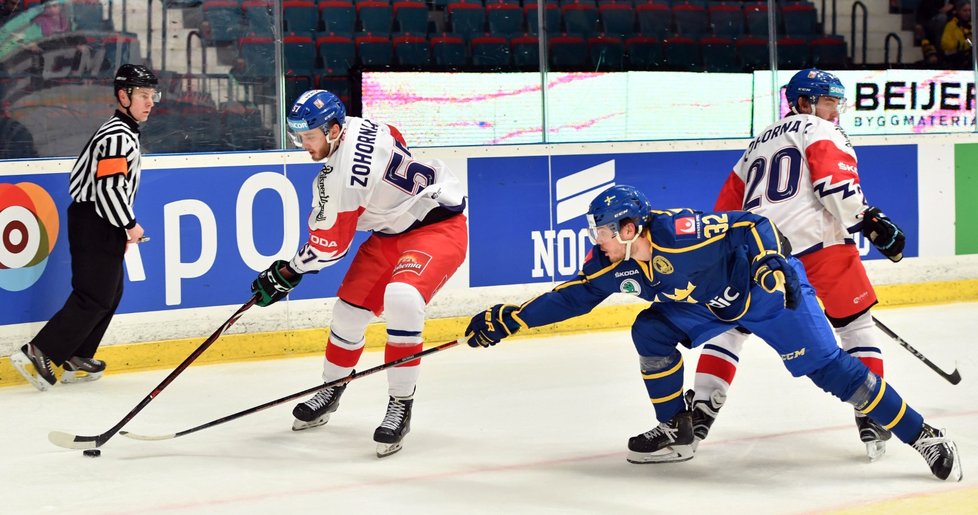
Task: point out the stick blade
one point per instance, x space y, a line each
147 438
955 376
69 441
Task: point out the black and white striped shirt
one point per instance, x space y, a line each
107 171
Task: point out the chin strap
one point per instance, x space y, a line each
628 244
334 144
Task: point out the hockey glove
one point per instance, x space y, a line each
773 273
492 325
271 286
883 234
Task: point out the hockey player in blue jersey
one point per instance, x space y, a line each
703 274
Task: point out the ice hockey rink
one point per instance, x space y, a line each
533 425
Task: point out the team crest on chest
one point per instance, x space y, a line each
631 287
662 265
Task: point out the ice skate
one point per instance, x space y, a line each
396 424
704 414
668 442
315 412
940 452
30 357
82 370
873 435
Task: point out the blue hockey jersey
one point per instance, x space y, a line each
697 258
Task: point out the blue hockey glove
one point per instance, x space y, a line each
492 325
883 234
773 273
271 286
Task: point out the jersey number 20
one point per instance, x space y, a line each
781 177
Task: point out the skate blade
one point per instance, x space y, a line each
25 367
673 454
956 473
386 449
301 425
875 450
80 376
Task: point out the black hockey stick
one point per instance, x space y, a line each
287 398
953 378
69 441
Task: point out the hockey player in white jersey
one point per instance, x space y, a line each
802 174
413 210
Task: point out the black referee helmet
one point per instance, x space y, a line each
134 76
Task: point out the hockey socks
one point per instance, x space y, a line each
889 410
663 378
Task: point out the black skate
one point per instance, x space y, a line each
82 370
668 442
43 376
940 452
704 414
315 412
396 424
873 435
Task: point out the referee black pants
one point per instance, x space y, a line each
97 249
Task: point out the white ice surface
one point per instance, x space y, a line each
533 425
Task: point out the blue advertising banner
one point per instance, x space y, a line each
211 230
214 228
527 213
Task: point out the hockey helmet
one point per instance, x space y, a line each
130 76
614 205
814 83
315 108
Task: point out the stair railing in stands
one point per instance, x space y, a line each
824 10
852 54
203 52
886 49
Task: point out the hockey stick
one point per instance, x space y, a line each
287 398
69 441
953 378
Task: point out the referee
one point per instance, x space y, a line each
101 224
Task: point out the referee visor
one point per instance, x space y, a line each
146 93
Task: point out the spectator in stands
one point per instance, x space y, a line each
931 17
932 58
956 40
8 8
52 20
15 140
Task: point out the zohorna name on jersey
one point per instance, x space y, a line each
774 132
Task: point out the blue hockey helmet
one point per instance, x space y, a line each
814 83
315 108
614 205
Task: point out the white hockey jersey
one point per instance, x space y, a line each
801 173
371 183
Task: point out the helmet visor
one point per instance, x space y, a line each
600 233
295 137
147 94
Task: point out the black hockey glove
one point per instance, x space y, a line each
271 286
773 273
883 234
492 325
